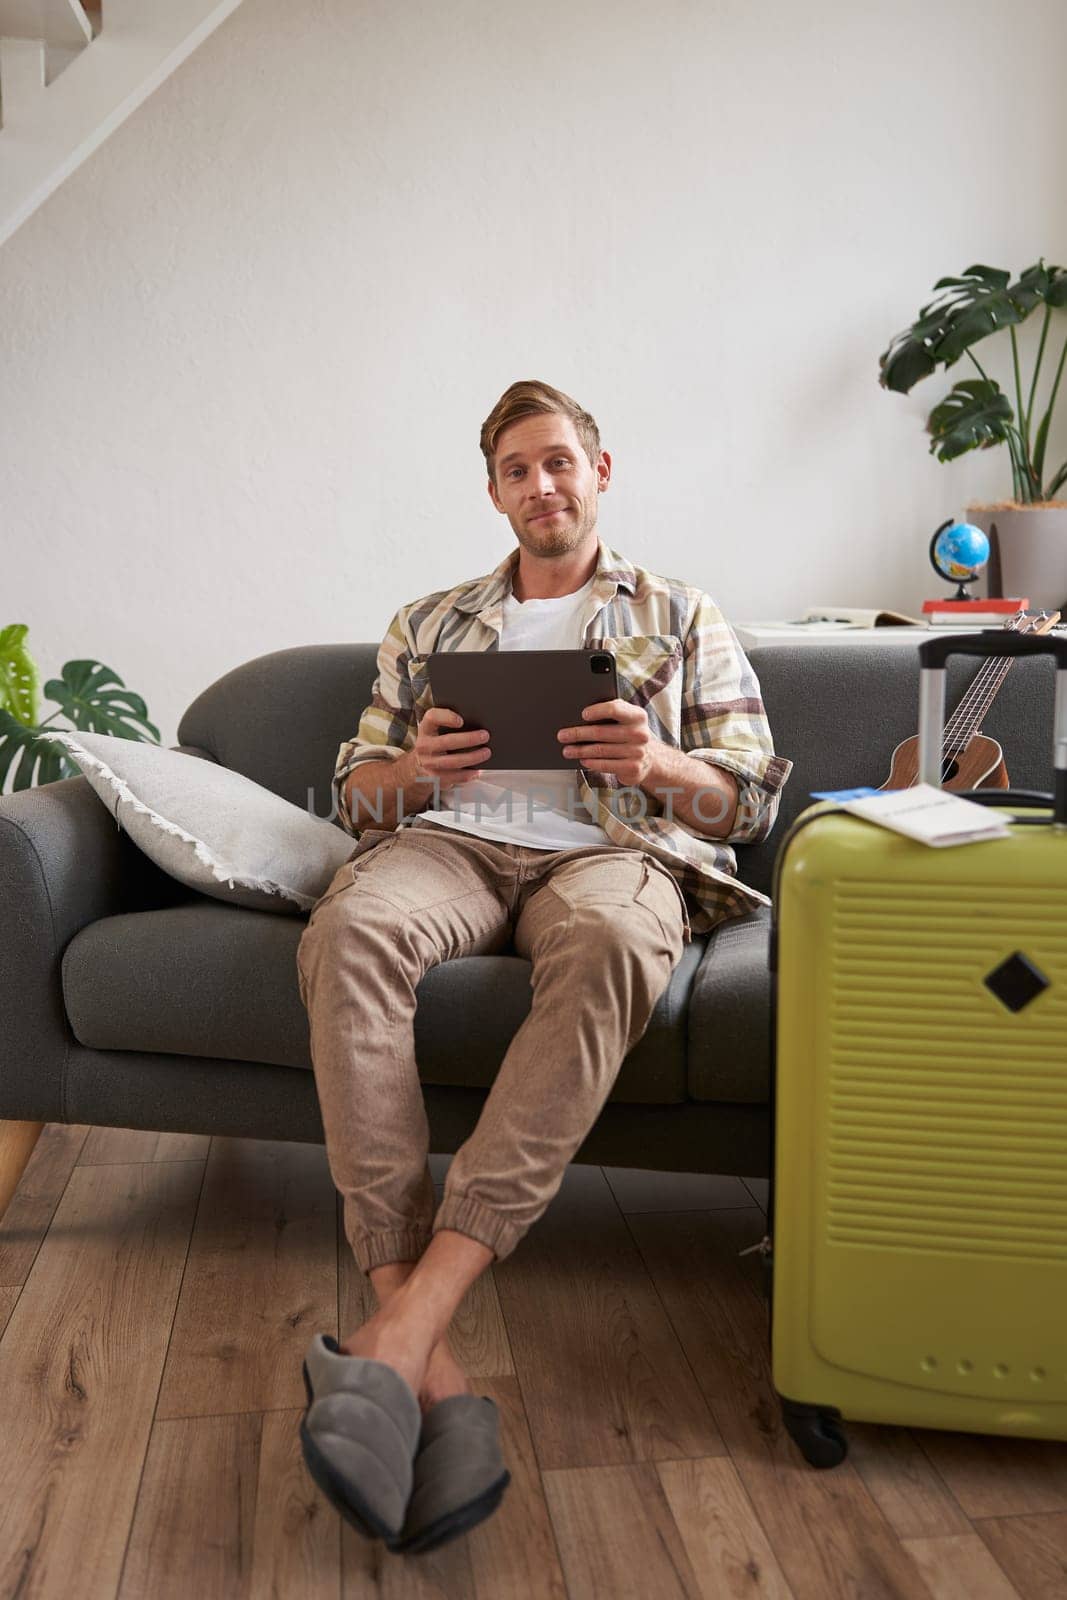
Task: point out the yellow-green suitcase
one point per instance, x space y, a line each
919 1189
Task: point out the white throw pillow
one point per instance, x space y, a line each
211 828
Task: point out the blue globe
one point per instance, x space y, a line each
960 552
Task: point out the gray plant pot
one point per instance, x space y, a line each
1029 552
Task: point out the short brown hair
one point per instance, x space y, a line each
531 398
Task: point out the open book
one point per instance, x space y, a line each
858 617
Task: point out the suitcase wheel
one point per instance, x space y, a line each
816 1431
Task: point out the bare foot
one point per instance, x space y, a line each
381 1339
432 1379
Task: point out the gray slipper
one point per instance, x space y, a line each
459 1475
359 1435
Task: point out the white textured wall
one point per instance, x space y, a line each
247 347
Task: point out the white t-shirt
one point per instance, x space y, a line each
512 805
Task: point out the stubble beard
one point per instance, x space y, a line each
558 541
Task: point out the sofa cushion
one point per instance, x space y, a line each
214 830
204 979
729 1014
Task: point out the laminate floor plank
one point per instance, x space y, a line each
261 1279
105 1145
637 1190
961 1568
182 1147
603 1377
995 1476
830 1539
80 1365
911 1495
33 1204
513 1554
477 1332
194 1528
1032 1551
296 1552
722 1535
227 1509
371 1572
8 1298
617 1536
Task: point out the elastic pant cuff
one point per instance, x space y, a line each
381 1249
464 1215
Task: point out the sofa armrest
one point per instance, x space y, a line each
61 867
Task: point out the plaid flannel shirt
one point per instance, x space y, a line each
676 655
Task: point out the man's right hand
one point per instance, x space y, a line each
446 755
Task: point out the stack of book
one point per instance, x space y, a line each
971 613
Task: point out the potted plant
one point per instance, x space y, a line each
1028 533
91 696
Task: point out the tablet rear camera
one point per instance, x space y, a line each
601 663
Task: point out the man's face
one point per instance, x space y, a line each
545 484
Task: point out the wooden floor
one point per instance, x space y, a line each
157 1293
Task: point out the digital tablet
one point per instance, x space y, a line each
522 698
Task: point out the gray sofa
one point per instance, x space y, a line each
127 1000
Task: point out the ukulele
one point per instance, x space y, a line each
970 760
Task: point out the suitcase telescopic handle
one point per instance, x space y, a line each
933 653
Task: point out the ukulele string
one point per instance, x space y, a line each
990 670
955 740
953 744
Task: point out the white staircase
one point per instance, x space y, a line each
70 73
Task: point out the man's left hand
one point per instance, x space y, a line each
627 747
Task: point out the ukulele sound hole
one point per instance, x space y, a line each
950 771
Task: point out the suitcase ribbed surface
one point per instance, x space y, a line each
947 1110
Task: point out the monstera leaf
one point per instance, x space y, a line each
18 675
1040 284
980 303
972 416
84 697
976 305
31 759
93 697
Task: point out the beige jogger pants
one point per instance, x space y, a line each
602 927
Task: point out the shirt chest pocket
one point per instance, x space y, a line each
649 670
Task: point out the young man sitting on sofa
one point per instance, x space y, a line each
599 882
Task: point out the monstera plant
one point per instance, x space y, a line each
976 414
91 696
1028 532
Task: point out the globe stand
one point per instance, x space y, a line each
961 583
